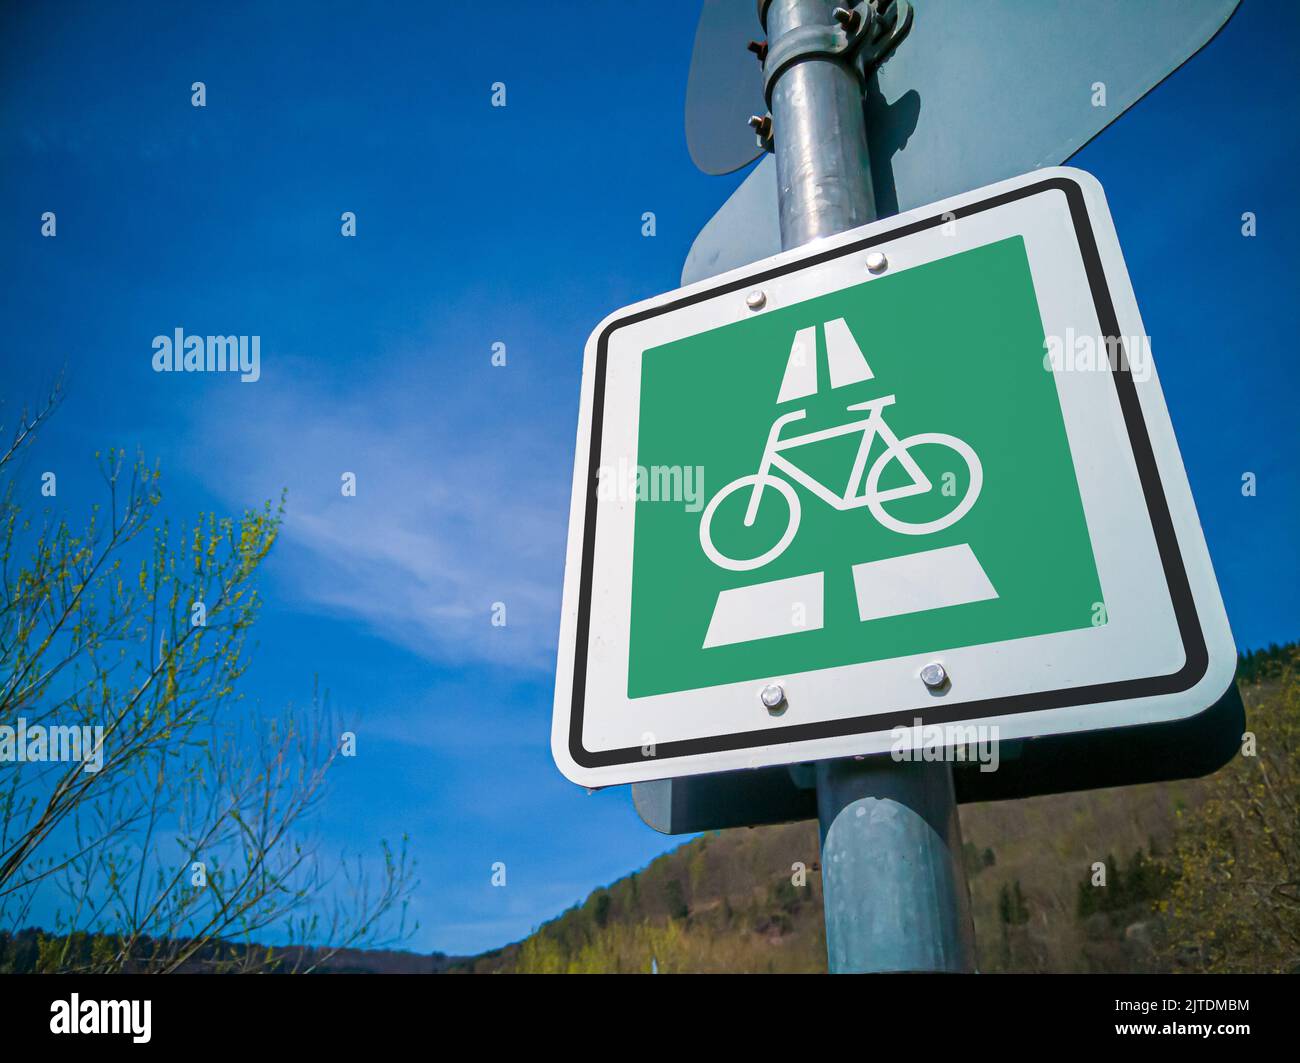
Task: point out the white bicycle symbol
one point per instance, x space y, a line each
870 494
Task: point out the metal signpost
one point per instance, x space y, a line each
908 486
911 910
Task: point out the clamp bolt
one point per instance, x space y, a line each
847 18
759 48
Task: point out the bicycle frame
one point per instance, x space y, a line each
870 426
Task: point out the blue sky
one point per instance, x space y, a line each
520 225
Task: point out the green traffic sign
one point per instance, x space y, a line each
914 478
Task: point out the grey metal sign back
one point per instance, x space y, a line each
977 93
725 86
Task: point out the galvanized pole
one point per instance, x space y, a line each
822 169
892 875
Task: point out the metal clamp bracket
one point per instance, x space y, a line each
862 38
890 27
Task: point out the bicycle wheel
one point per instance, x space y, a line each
903 527
748 564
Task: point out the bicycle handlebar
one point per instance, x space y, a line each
873 404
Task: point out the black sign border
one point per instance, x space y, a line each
1196 653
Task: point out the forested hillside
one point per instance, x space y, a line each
1200 875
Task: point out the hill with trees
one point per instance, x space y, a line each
1198 875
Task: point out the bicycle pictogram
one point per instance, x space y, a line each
863 489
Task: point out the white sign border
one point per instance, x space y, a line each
1205 672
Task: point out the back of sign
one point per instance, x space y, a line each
976 93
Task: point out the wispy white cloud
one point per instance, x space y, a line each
451 514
